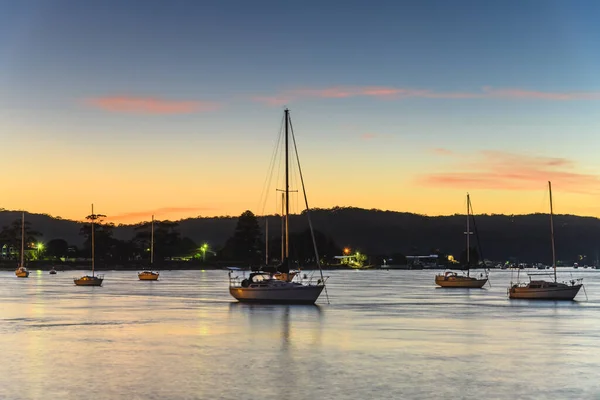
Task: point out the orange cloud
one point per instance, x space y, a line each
160 213
386 92
511 171
150 105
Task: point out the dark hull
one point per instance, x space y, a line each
295 295
566 293
88 281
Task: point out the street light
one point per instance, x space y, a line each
40 249
203 250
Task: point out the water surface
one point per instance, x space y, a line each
385 335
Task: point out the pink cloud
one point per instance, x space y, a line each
511 171
368 136
388 92
150 105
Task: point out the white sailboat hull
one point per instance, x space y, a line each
296 294
561 292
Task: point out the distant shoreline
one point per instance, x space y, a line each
47 266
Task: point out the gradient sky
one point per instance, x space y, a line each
173 107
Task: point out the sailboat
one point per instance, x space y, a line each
451 279
546 290
149 275
91 280
262 286
21 271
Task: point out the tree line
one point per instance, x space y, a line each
246 246
169 243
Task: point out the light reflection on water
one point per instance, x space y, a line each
386 334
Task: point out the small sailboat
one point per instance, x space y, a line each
451 279
546 290
21 271
52 271
149 275
91 280
262 286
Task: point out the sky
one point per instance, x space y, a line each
173 108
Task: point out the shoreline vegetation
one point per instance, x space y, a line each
138 266
378 236
43 265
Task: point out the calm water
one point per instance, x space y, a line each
385 335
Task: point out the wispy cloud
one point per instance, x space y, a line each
368 136
512 171
390 93
150 105
159 213
442 152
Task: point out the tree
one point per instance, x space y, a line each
302 248
186 247
57 248
246 244
10 235
103 239
121 250
166 239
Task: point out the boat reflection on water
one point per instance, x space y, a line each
299 323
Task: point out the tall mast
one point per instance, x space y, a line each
468 236
468 233
22 239
287 185
282 227
552 231
152 241
266 240
93 249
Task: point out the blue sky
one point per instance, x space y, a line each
465 77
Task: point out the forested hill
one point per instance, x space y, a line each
375 232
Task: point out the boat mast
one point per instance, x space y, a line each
152 242
282 227
552 231
468 233
287 186
266 240
93 249
468 237
22 239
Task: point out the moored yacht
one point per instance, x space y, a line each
263 286
21 271
149 275
451 279
91 280
546 290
